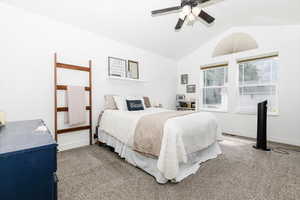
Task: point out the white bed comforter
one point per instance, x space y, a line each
182 135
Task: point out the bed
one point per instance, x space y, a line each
188 139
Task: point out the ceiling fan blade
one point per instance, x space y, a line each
206 17
179 23
165 10
203 1
207 3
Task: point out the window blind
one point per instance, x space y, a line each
257 58
212 66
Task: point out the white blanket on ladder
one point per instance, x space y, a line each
76 104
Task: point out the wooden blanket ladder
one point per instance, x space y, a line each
65 109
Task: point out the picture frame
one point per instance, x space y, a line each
117 67
132 70
184 79
180 97
191 88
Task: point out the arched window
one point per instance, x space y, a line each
234 43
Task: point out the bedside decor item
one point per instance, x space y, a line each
2 118
191 89
184 79
132 69
116 67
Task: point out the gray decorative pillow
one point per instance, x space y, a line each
110 103
147 102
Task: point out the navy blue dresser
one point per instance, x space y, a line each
27 162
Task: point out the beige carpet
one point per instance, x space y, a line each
241 173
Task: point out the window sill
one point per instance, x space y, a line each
212 110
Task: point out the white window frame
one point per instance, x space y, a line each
261 84
225 86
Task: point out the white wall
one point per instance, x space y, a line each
284 128
27 46
28 42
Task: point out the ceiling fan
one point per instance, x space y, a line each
190 10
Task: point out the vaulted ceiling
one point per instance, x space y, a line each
131 21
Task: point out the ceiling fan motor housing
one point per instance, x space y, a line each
191 3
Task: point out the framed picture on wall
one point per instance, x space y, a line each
180 97
184 79
116 67
133 70
191 89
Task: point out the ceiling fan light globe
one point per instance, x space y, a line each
182 15
196 11
187 9
191 17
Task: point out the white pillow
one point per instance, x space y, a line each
110 103
121 103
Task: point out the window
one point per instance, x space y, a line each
258 82
214 90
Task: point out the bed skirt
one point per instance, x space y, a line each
149 165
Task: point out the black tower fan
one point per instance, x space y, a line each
261 142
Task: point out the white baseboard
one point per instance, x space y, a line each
285 141
72 145
271 139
